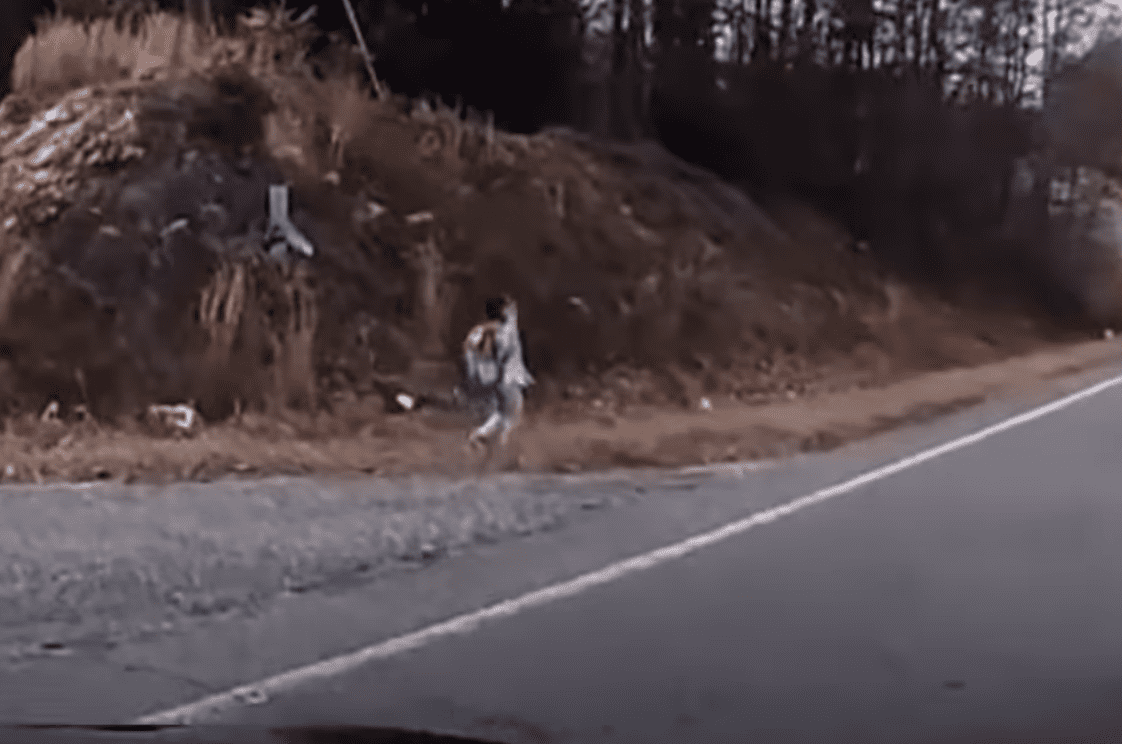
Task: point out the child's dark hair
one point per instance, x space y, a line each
495 306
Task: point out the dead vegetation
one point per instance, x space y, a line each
134 162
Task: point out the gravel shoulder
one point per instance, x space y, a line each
105 561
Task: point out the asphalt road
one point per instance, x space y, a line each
976 596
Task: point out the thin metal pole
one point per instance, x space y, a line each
378 89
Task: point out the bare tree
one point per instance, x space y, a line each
199 11
858 28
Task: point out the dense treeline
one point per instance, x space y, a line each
902 117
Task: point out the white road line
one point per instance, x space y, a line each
260 692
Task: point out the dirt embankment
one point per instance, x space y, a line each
134 269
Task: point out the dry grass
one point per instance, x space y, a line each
220 312
270 44
348 106
246 303
293 343
65 53
14 261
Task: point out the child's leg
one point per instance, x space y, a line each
494 419
489 426
512 404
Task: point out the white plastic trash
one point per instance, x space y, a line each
280 227
180 416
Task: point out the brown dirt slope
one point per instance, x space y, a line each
133 268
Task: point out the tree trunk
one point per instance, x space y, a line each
806 33
920 15
901 48
761 23
785 22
